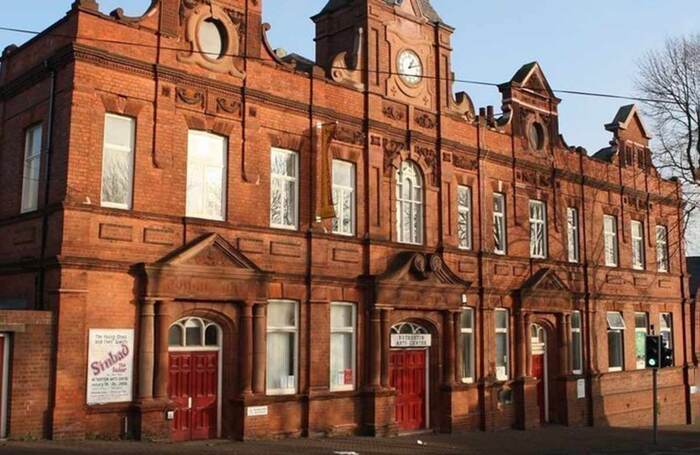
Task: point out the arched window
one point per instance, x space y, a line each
409 204
409 328
193 333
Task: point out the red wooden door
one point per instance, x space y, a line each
538 372
407 376
193 387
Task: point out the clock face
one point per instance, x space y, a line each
410 67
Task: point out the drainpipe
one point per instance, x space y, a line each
41 285
684 312
589 323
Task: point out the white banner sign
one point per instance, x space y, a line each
110 366
581 388
257 411
410 341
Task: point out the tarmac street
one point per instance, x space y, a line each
552 440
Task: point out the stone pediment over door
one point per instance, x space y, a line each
208 268
545 290
418 281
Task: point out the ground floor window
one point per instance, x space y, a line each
641 325
282 346
343 317
666 330
502 355
467 331
576 343
616 330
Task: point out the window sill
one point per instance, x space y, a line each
615 370
284 228
280 392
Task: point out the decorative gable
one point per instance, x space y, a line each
545 280
628 124
421 269
210 250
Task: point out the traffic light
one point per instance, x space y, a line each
666 357
653 351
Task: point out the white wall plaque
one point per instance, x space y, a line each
410 341
110 366
581 388
257 411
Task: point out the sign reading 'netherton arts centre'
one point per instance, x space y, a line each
410 340
110 366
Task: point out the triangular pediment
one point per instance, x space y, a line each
210 250
531 77
418 268
545 280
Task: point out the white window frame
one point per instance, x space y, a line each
285 178
640 364
572 231
416 204
353 331
538 229
666 328
33 154
612 257
285 329
113 148
662 256
503 376
201 168
576 331
638 250
500 223
468 332
464 217
618 327
342 191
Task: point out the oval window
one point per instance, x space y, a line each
212 38
536 136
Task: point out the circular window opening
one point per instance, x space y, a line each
212 38
536 136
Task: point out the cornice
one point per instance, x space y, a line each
89 54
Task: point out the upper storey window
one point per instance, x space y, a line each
118 161
212 38
344 197
572 234
284 189
464 217
610 233
538 230
499 223
409 204
206 175
32 169
662 262
638 258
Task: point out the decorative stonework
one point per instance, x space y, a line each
228 106
190 97
463 162
193 13
426 120
350 135
394 111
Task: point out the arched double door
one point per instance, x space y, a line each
194 378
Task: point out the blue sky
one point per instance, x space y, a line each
590 45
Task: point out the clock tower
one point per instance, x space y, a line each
399 49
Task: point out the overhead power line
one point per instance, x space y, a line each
390 73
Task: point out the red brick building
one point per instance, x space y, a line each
168 268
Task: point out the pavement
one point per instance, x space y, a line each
552 440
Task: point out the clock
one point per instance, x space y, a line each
410 67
